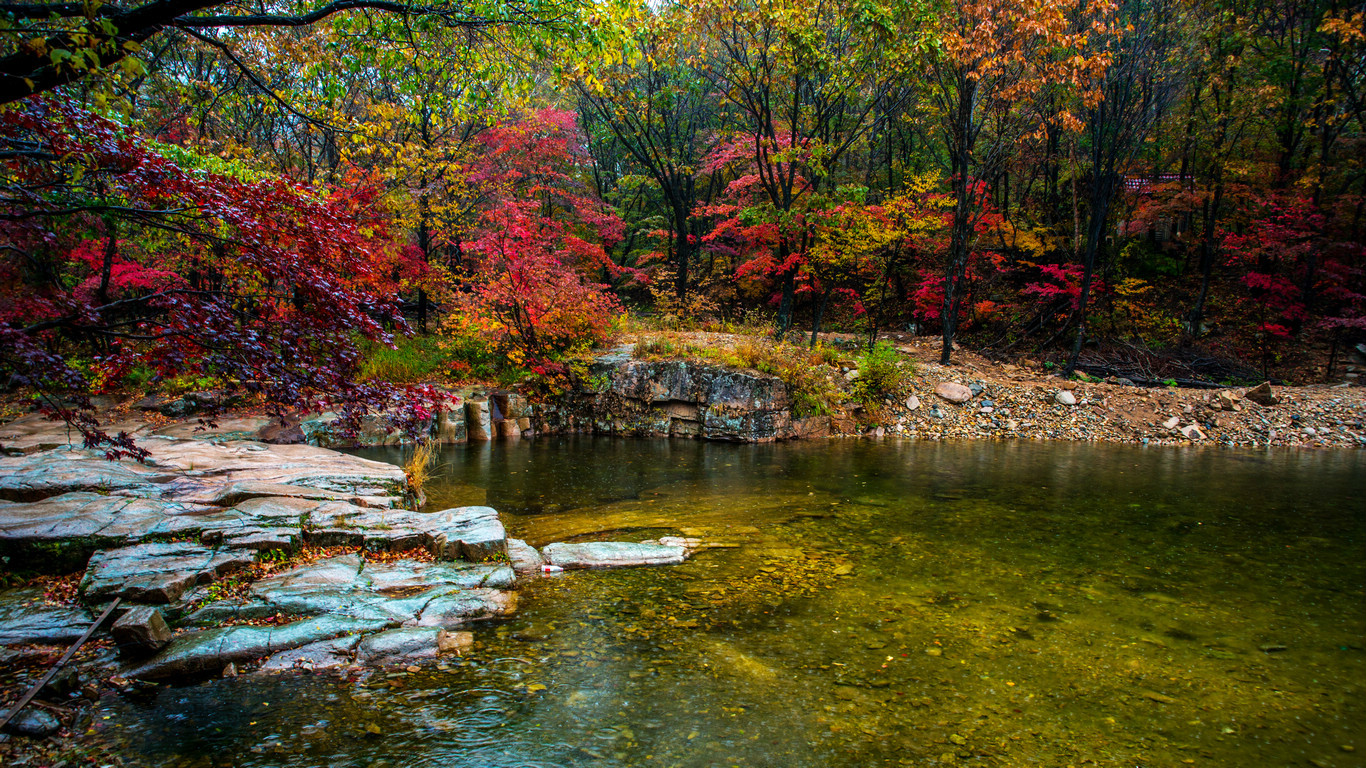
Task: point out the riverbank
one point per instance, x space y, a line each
692 385
979 399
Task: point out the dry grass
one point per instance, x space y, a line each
420 464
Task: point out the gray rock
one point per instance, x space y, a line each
327 654
141 630
26 618
474 533
976 387
1065 397
611 554
52 473
157 573
398 646
210 650
457 607
33 723
525 558
912 403
397 577
953 392
403 592
673 398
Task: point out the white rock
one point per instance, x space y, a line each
1065 397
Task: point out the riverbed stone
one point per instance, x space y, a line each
611 554
325 654
524 557
27 617
460 606
142 629
396 646
33 723
1065 397
156 572
953 392
209 651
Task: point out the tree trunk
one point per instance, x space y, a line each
789 288
1100 210
111 249
818 312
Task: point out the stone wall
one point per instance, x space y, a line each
672 398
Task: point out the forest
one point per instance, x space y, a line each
271 194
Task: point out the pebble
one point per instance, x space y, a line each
1065 397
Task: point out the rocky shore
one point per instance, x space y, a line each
230 557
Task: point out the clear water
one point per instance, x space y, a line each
877 604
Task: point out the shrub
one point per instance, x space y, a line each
881 374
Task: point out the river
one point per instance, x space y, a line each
865 604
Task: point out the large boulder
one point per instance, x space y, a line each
141 629
953 392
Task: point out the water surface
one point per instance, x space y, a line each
867 603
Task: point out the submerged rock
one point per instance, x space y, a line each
612 554
33 723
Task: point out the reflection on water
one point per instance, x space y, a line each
866 604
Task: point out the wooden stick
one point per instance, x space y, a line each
60 663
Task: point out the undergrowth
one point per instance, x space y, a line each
412 359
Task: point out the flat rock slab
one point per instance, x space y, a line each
197 470
408 593
396 646
51 473
101 520
35 432
156 573
326 654
209 651
25 617
304 465
222 430
612 554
